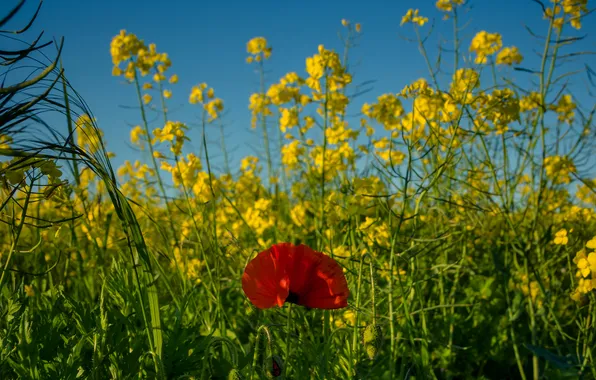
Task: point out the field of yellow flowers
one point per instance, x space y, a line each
450 233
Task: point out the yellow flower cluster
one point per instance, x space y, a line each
346 23
387 111
332 161
127 47
413 17
586 192
509 56
136 170
339 132
464 82
174 132
485 44
259 216
291 155
326 64
573 10
561 237
124 46
501 108
530 102
259 105
288 90
559 168
388 152
185 171
565 109
258 50
530 288
137 136
447 5
5 140
376 233
345 319
586 269
200 94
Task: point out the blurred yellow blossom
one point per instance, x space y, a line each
509 56
485 44
561 237
257 47
413 17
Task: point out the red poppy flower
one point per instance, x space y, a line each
295 274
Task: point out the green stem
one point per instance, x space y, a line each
288 338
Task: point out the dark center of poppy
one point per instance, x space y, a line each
292 298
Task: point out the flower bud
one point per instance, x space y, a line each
372 339
234 375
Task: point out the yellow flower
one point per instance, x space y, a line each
124 46
574 9
447 5
5 141
289 119
147 98
565 109
258 47
344 22
136 133
167 94
559 168
174 132
413 17
530 102
485 44
214 108
196 94
464 82
259 105
387 111
509 56
291 155
29 291
591 243
561 237
585 265
173 79
582 265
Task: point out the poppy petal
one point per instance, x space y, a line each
264 281
297 274
328 288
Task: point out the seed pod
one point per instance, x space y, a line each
234 375
372 339
371 351
276 368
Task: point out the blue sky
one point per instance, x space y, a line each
207 43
